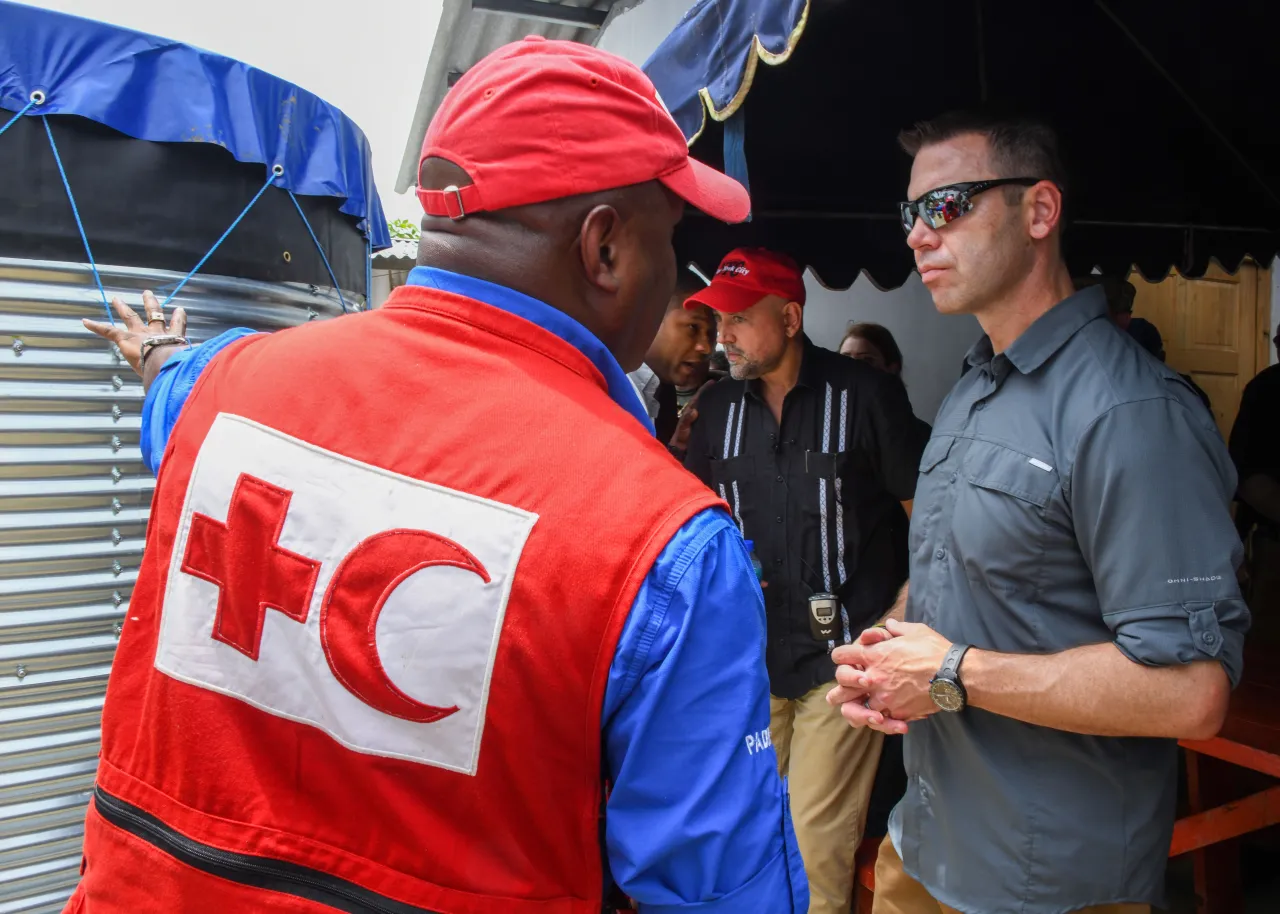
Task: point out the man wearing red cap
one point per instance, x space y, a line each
813 452
420 582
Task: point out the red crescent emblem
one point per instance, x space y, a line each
364 581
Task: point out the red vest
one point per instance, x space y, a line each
388 562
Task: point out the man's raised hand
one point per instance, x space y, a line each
132 332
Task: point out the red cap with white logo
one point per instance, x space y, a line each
540 120
746 276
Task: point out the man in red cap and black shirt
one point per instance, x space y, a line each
420 582
813 452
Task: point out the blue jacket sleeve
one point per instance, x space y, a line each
697 819
170 390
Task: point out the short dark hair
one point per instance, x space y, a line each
878 336
1120 292
1020 147
1147 336
688 283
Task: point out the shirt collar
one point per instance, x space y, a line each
647 383
621 390
1048 334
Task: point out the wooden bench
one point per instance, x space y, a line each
1250 739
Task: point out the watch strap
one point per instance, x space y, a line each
950 668
152 342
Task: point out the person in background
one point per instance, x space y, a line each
703 373
1053 650
814 452
678 358
1255 448
1120 294
1147 335
590 637
872 343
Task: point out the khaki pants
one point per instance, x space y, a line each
831 767
898 893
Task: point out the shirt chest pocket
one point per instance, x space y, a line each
1004 505
931 488
732 476
840 474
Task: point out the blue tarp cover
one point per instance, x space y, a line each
164 91
709 59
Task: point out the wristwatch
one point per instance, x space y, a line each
946 689
151 342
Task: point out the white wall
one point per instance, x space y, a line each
933 346
367 60
637 32
1275 305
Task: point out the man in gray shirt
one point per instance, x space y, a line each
1072 607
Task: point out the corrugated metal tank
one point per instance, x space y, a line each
74 496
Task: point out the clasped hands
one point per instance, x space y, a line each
883 677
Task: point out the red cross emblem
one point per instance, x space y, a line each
254 573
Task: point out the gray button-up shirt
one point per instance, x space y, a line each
1075 491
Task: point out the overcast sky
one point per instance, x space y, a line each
366 58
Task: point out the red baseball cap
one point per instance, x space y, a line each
747 275
539 120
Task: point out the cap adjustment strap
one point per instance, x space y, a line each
452 201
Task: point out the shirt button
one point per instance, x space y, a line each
955 476
1209 638
940 554
778 518
777 561
779 479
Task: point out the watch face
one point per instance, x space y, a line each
946 695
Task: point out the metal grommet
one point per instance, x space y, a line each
287 257
277 170
38 97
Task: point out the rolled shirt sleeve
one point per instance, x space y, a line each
697 818
169 392
1151 487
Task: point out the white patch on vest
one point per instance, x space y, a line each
437 635
759 741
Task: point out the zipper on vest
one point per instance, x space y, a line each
258 872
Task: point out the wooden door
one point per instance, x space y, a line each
1215 329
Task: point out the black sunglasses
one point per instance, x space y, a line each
946 204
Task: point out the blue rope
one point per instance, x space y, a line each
271 176
13 120
368 266
75 211
316 241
